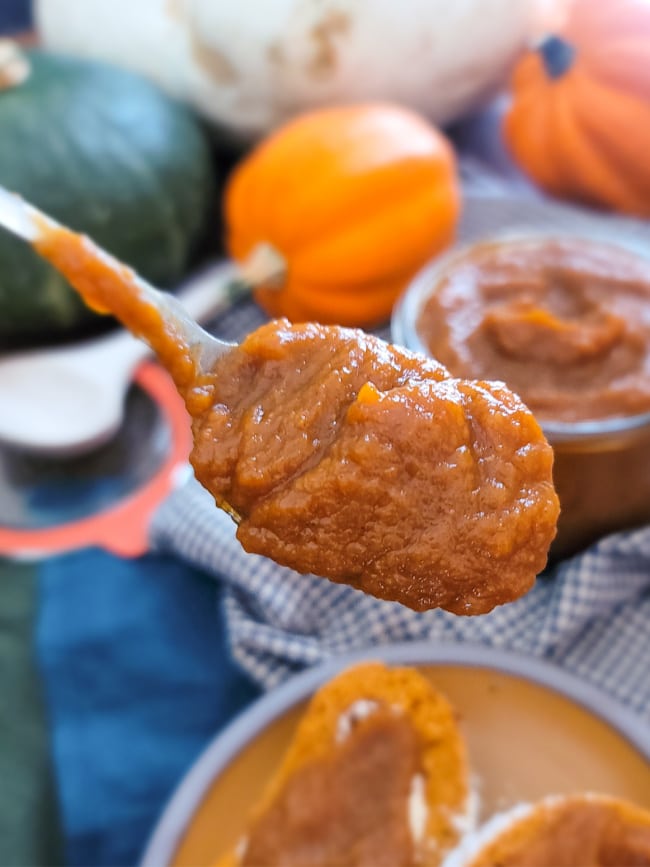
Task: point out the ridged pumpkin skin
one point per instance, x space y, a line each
579 123
354 199
107 153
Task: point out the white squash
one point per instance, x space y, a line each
251 64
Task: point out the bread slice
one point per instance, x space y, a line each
376 774
579 830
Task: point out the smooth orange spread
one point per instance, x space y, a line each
578 832
564 323
349 807
343 456
370 739
107 285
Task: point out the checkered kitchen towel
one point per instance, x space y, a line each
590 614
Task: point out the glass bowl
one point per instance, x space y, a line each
601 467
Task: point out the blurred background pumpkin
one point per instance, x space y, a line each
333 214
579 123
251 70
107 152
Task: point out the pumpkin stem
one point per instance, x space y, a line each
264 266
557 54
14 66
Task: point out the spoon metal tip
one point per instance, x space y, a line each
17 216
109 286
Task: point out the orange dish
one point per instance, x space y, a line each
521 730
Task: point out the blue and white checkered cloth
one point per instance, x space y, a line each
589 614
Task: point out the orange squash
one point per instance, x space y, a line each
579 122
332 214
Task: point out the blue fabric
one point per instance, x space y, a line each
138 680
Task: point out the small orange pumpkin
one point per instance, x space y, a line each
579 122
332 214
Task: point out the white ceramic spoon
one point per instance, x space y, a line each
69 400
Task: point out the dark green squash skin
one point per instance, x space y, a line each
105 152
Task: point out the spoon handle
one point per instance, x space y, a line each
110 287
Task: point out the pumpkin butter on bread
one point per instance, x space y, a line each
579 830
376 774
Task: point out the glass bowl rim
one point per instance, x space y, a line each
408 306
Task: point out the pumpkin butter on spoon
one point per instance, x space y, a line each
353 459
340 455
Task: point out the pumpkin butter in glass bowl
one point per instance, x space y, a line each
565 323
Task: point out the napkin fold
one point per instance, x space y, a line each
589 614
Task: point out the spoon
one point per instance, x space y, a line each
70 400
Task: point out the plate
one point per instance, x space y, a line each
532 730
50 506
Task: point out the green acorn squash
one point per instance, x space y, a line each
105 152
